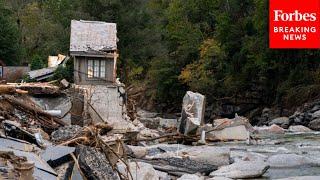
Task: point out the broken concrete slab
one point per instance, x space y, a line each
107 104
243 169
14 129
8 142
229 133
139 170
290 160
301 178
57 155
192 115
42 169
191 177
94 164
217 156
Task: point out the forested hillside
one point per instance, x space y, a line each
216 47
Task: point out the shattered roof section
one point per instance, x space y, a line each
91 36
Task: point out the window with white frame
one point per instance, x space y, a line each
96 68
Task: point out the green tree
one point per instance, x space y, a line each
36 62
9 38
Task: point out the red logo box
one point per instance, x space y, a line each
294 24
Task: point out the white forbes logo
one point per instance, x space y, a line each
279 15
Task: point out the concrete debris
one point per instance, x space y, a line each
290 160
64 83
229 133
84 132
192 115
139 170
191 177
94 164
57 155
242 170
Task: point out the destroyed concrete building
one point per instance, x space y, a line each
93 46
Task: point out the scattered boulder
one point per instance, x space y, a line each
138 151
219 178
176 165
316 115
163 175
315 124
94 164
152 123
229 133
273 129
248 156
243 169
289 160
146 114
168 123
191 177
139 171
299 128
280 121
217 156
192 115
301 178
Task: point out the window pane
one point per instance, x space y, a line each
90 68
96 68
103 69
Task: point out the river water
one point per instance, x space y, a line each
304 144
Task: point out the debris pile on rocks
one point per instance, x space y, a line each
59 133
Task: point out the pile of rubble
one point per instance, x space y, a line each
50 132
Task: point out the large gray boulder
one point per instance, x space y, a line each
299 128
290 160
139 171
192 115
229 133
301 178
316 114
315 124
217 156
242 169
191 177
280 121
